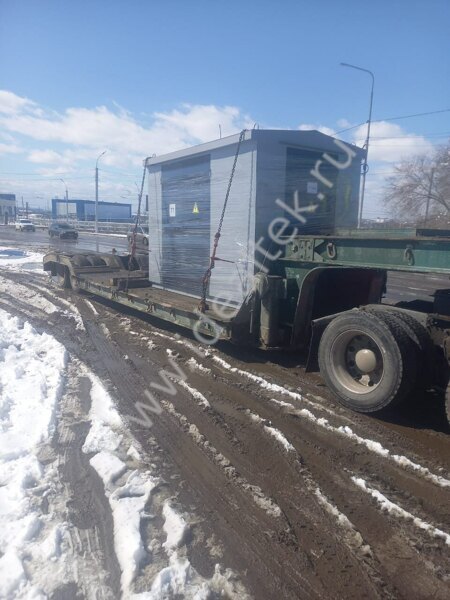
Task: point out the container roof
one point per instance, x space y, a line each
304 138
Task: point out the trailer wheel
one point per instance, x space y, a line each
368 362
74 284
81 261
423 344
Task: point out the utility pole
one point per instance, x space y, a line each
96 191
366 145
67 198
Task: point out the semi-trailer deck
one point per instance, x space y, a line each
323 296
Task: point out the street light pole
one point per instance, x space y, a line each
67 198
369 122
96 191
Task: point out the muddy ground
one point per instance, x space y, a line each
285 513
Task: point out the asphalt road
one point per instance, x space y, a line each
40 240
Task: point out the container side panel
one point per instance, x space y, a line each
232 276
154 224
185 224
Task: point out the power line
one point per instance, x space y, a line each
424 114
432 112
409 136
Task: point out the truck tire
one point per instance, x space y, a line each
368 362
425 351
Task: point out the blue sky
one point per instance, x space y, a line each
144 77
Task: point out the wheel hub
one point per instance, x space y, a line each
358 361
366 360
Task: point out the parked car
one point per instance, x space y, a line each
25 225
141 235
63 231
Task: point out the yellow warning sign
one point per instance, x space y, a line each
195 209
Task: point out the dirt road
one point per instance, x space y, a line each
298 496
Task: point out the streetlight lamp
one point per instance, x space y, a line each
369 121
67 197
96 191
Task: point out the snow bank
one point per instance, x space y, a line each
179 579
31 382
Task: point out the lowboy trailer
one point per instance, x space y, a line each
322 297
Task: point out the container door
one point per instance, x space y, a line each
185 224
310 190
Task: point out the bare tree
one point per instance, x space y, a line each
421 185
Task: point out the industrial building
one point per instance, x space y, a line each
274 174
7 207
84 210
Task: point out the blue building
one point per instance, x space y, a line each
84 210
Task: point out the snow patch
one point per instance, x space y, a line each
174 526
31 383
17 290
20 260
91 306
196 366
106 424
271 430
397 511
194 393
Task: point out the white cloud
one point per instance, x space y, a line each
68 143
10 149
128 142
322 128
343 123
390 143
11 104
45 156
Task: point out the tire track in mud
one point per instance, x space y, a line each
323 471
252 530
412 494
344 485
229 503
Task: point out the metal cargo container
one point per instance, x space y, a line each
276 171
